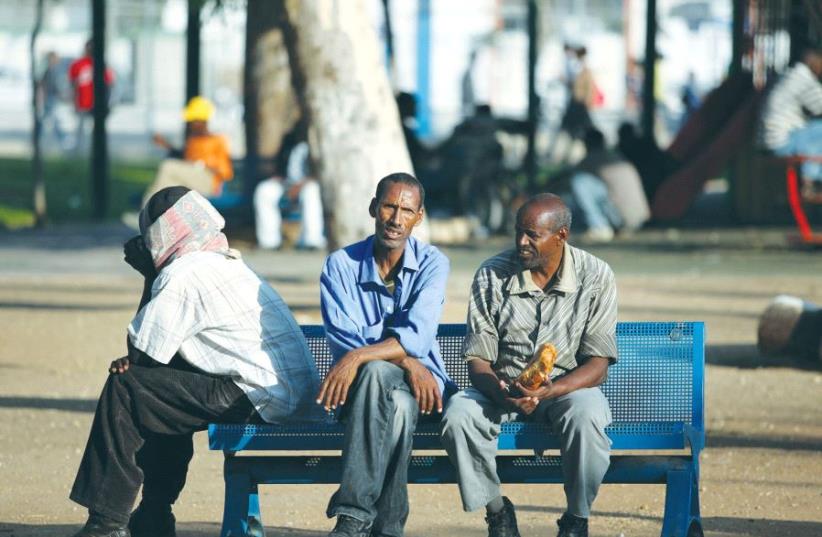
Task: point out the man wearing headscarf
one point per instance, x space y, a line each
210 342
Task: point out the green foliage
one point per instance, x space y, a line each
68 189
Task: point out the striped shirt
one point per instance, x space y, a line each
796 95
509 317
224 320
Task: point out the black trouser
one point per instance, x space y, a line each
142 434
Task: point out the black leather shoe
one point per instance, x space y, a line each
504 523
348 526
152 522
99 526
572 526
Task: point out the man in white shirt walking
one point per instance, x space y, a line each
211 341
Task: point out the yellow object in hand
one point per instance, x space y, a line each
539 370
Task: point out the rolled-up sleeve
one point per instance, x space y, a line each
342 332
415 325
599 335
482 338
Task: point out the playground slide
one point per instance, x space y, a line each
716 110
676 193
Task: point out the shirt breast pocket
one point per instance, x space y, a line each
373 333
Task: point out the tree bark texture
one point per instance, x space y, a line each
355 133
271 106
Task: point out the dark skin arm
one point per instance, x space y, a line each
591 373
138 257
485 379
334 389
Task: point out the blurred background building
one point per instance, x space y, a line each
470 51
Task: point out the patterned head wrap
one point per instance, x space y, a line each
191 224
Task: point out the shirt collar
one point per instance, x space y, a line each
368 266
566 281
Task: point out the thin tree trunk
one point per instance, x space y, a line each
355 133
38 182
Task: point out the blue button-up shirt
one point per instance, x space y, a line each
358 309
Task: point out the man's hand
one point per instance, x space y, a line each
160 141
524 405
118 366
423 385
137 255
545 391
339 379
294 191
515 403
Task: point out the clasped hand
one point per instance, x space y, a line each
137 255
525 400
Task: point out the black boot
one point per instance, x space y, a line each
504 523
572 526
98 525
152 521
348 526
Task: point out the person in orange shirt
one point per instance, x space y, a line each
203 164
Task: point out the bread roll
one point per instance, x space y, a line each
539 370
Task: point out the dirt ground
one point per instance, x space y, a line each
65 299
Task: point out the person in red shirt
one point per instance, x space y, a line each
81 76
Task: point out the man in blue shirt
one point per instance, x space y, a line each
381 304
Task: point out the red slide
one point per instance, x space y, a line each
705 145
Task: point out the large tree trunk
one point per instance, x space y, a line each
354 134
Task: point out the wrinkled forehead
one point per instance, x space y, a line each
536 216
402 194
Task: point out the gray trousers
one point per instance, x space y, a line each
380 416
471 426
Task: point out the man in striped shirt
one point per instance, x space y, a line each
787 125
543 291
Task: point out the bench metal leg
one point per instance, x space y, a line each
241 514
682 518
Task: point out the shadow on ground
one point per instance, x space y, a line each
751 527
787 443
747 356
16 305
193 529
47 403
714 526
67 237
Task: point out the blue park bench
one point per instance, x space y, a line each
656 397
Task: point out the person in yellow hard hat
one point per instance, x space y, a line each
203 164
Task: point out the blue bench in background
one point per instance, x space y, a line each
657 400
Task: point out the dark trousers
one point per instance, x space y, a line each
142 434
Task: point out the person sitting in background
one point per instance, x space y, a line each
607 189
211 342
203 164
298 186
653 164
790 123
